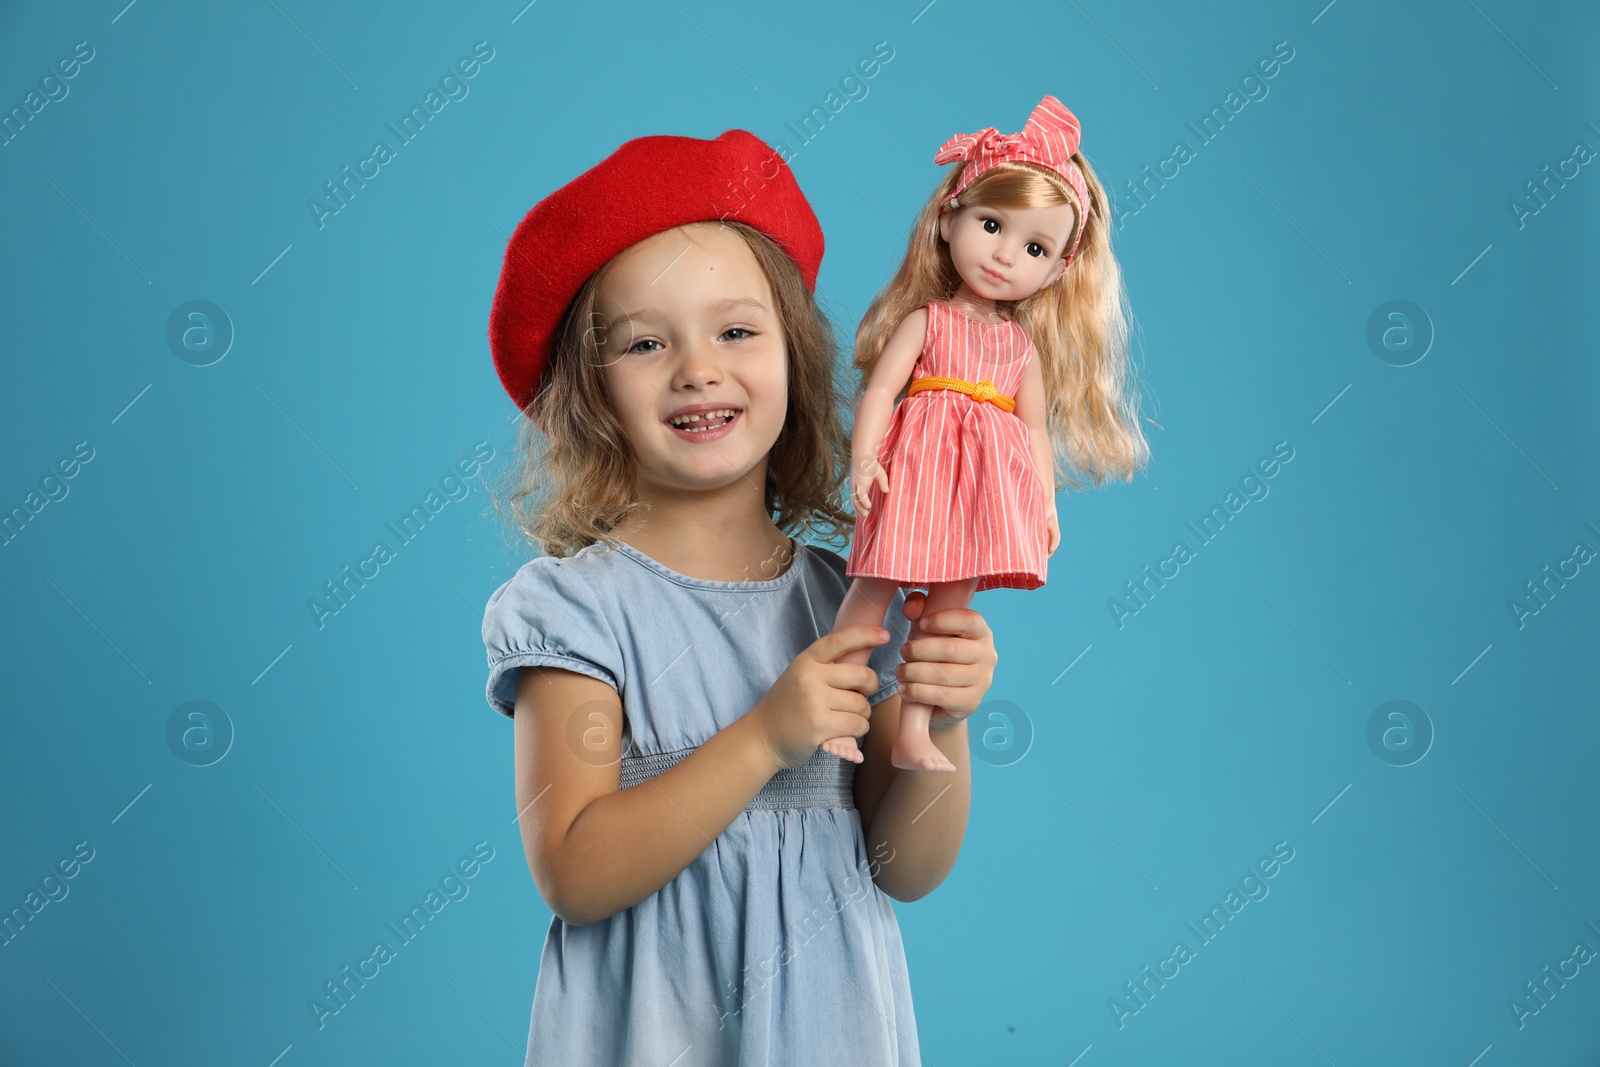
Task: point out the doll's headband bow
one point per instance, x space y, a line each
1049 139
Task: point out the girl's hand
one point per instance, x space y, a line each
865 470
953 670
816 698
1055 530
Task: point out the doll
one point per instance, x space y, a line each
992 355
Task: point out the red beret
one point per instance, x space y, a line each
648 185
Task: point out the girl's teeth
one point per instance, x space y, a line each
700 423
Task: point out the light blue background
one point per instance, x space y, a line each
1228 715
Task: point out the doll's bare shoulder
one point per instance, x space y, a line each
913 329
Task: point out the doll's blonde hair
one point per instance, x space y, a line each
573 480
1079 324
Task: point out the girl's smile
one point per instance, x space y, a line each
699 423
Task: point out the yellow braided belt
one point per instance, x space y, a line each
979 391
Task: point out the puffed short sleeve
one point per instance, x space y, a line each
547 615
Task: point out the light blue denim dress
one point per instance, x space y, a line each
774 948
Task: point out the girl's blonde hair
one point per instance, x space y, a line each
1079 323
574 477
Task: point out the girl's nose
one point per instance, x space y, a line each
698 365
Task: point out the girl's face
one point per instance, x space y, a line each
1008 253
689 325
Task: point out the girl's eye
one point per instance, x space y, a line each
1035 249
646 341
990 225
737 329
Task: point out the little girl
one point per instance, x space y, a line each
1003 334
720 885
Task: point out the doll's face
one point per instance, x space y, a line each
688 319
1008 253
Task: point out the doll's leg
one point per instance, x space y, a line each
913 748
867 600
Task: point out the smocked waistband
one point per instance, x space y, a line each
825 781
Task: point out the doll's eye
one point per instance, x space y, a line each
1035 249
990 225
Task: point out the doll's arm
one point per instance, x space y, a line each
889 377
1031 410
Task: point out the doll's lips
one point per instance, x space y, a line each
1000 278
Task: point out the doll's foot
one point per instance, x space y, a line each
844 748
919 755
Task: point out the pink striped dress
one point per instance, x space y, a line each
965 499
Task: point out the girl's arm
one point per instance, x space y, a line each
922 816
593 847
889 377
